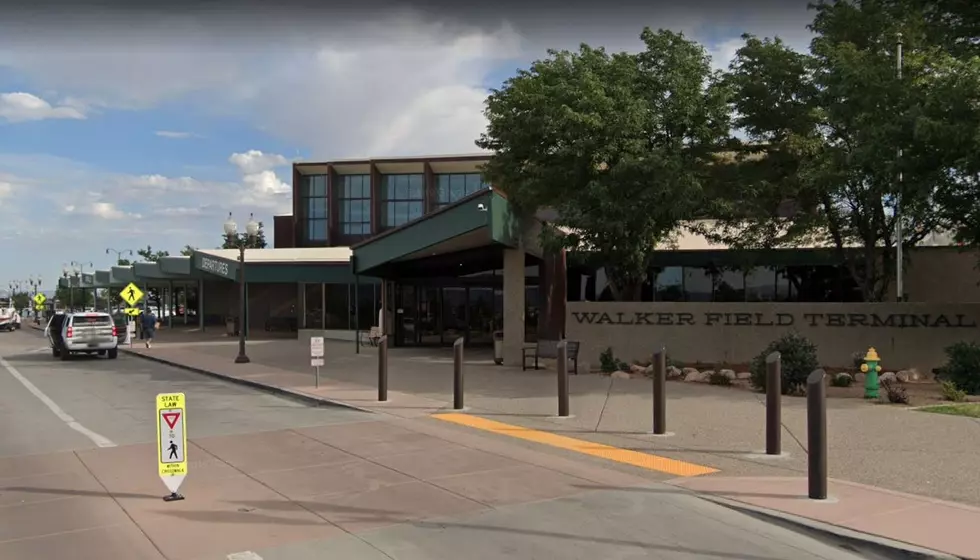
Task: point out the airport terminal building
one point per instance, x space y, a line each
446 256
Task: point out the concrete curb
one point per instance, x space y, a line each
280 391
866 543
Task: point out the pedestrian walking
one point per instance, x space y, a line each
149 326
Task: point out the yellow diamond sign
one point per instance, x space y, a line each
131 294
40 299
133 311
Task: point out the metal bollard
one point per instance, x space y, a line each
774 403
458 374
660 392
563 378
383 369
816 435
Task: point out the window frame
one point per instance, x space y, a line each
390 199
346 201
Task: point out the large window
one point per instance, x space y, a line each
455 186
355 204
313 205
403 199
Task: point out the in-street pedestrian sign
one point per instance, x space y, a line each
39 299
172 441
131 294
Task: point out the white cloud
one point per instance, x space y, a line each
100 210
174 134
22 107
6 189
254 161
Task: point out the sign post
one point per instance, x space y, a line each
172 442
316 356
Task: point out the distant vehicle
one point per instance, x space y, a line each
82 333
9 318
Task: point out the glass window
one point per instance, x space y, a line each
355 204
336 313
313 206
404 199
698 283
451 187
669 284
729 285
760 284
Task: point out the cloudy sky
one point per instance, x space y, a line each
123 126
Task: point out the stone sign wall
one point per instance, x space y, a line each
905 335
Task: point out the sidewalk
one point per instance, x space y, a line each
714 426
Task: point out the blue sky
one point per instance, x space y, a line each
151 138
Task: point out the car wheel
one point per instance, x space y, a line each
113 353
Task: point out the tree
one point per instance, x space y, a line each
617 144
149 255
123 262
188 250
66 297
21 300
829 124
257 242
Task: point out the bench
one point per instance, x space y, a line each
549 349
371 337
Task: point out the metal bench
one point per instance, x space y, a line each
549 349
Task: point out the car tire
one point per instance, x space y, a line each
113 353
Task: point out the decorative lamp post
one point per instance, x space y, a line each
119 253
66 273
241 241
35 287
78 269
870 368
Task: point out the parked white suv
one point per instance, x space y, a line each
82 333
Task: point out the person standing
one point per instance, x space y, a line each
149 323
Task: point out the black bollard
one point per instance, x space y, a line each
458 374
774 396
383 369
660 392
563 378
816 435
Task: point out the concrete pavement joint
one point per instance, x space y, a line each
286 393
97 439
879 545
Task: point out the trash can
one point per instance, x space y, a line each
231 326
498 347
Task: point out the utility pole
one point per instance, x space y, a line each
899 233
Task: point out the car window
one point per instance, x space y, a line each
91 320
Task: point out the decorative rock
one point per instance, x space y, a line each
915 375
636 368
620 375
903 376
673 372
887 377
728 373
859 377
692 375
689 370
648 370
706 375
743 375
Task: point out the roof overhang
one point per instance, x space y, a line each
286 265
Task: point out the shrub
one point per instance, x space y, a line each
951 392
798 358
841 380
718 378
857 358
962 367
608 363
895 393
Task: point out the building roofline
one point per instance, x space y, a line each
396 159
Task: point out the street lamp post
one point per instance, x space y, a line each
66 273
78 269
35 286
119 253
899 233
241 241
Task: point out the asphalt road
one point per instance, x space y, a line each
272 479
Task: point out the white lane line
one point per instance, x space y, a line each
97 439
247 555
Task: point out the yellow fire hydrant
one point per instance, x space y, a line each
870 368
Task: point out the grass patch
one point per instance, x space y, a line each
971 410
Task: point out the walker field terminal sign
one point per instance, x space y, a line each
665 319
172 441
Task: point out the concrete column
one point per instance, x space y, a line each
513 306
184 290
200 305
170 304
301 305
323 306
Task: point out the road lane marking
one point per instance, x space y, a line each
247 555
97 439
626 456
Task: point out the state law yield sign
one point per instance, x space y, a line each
172 441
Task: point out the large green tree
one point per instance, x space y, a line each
829 124
617 145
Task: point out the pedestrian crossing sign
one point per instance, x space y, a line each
131 294
133 311
171 439
39 299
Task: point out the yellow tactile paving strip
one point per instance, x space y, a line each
627 456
